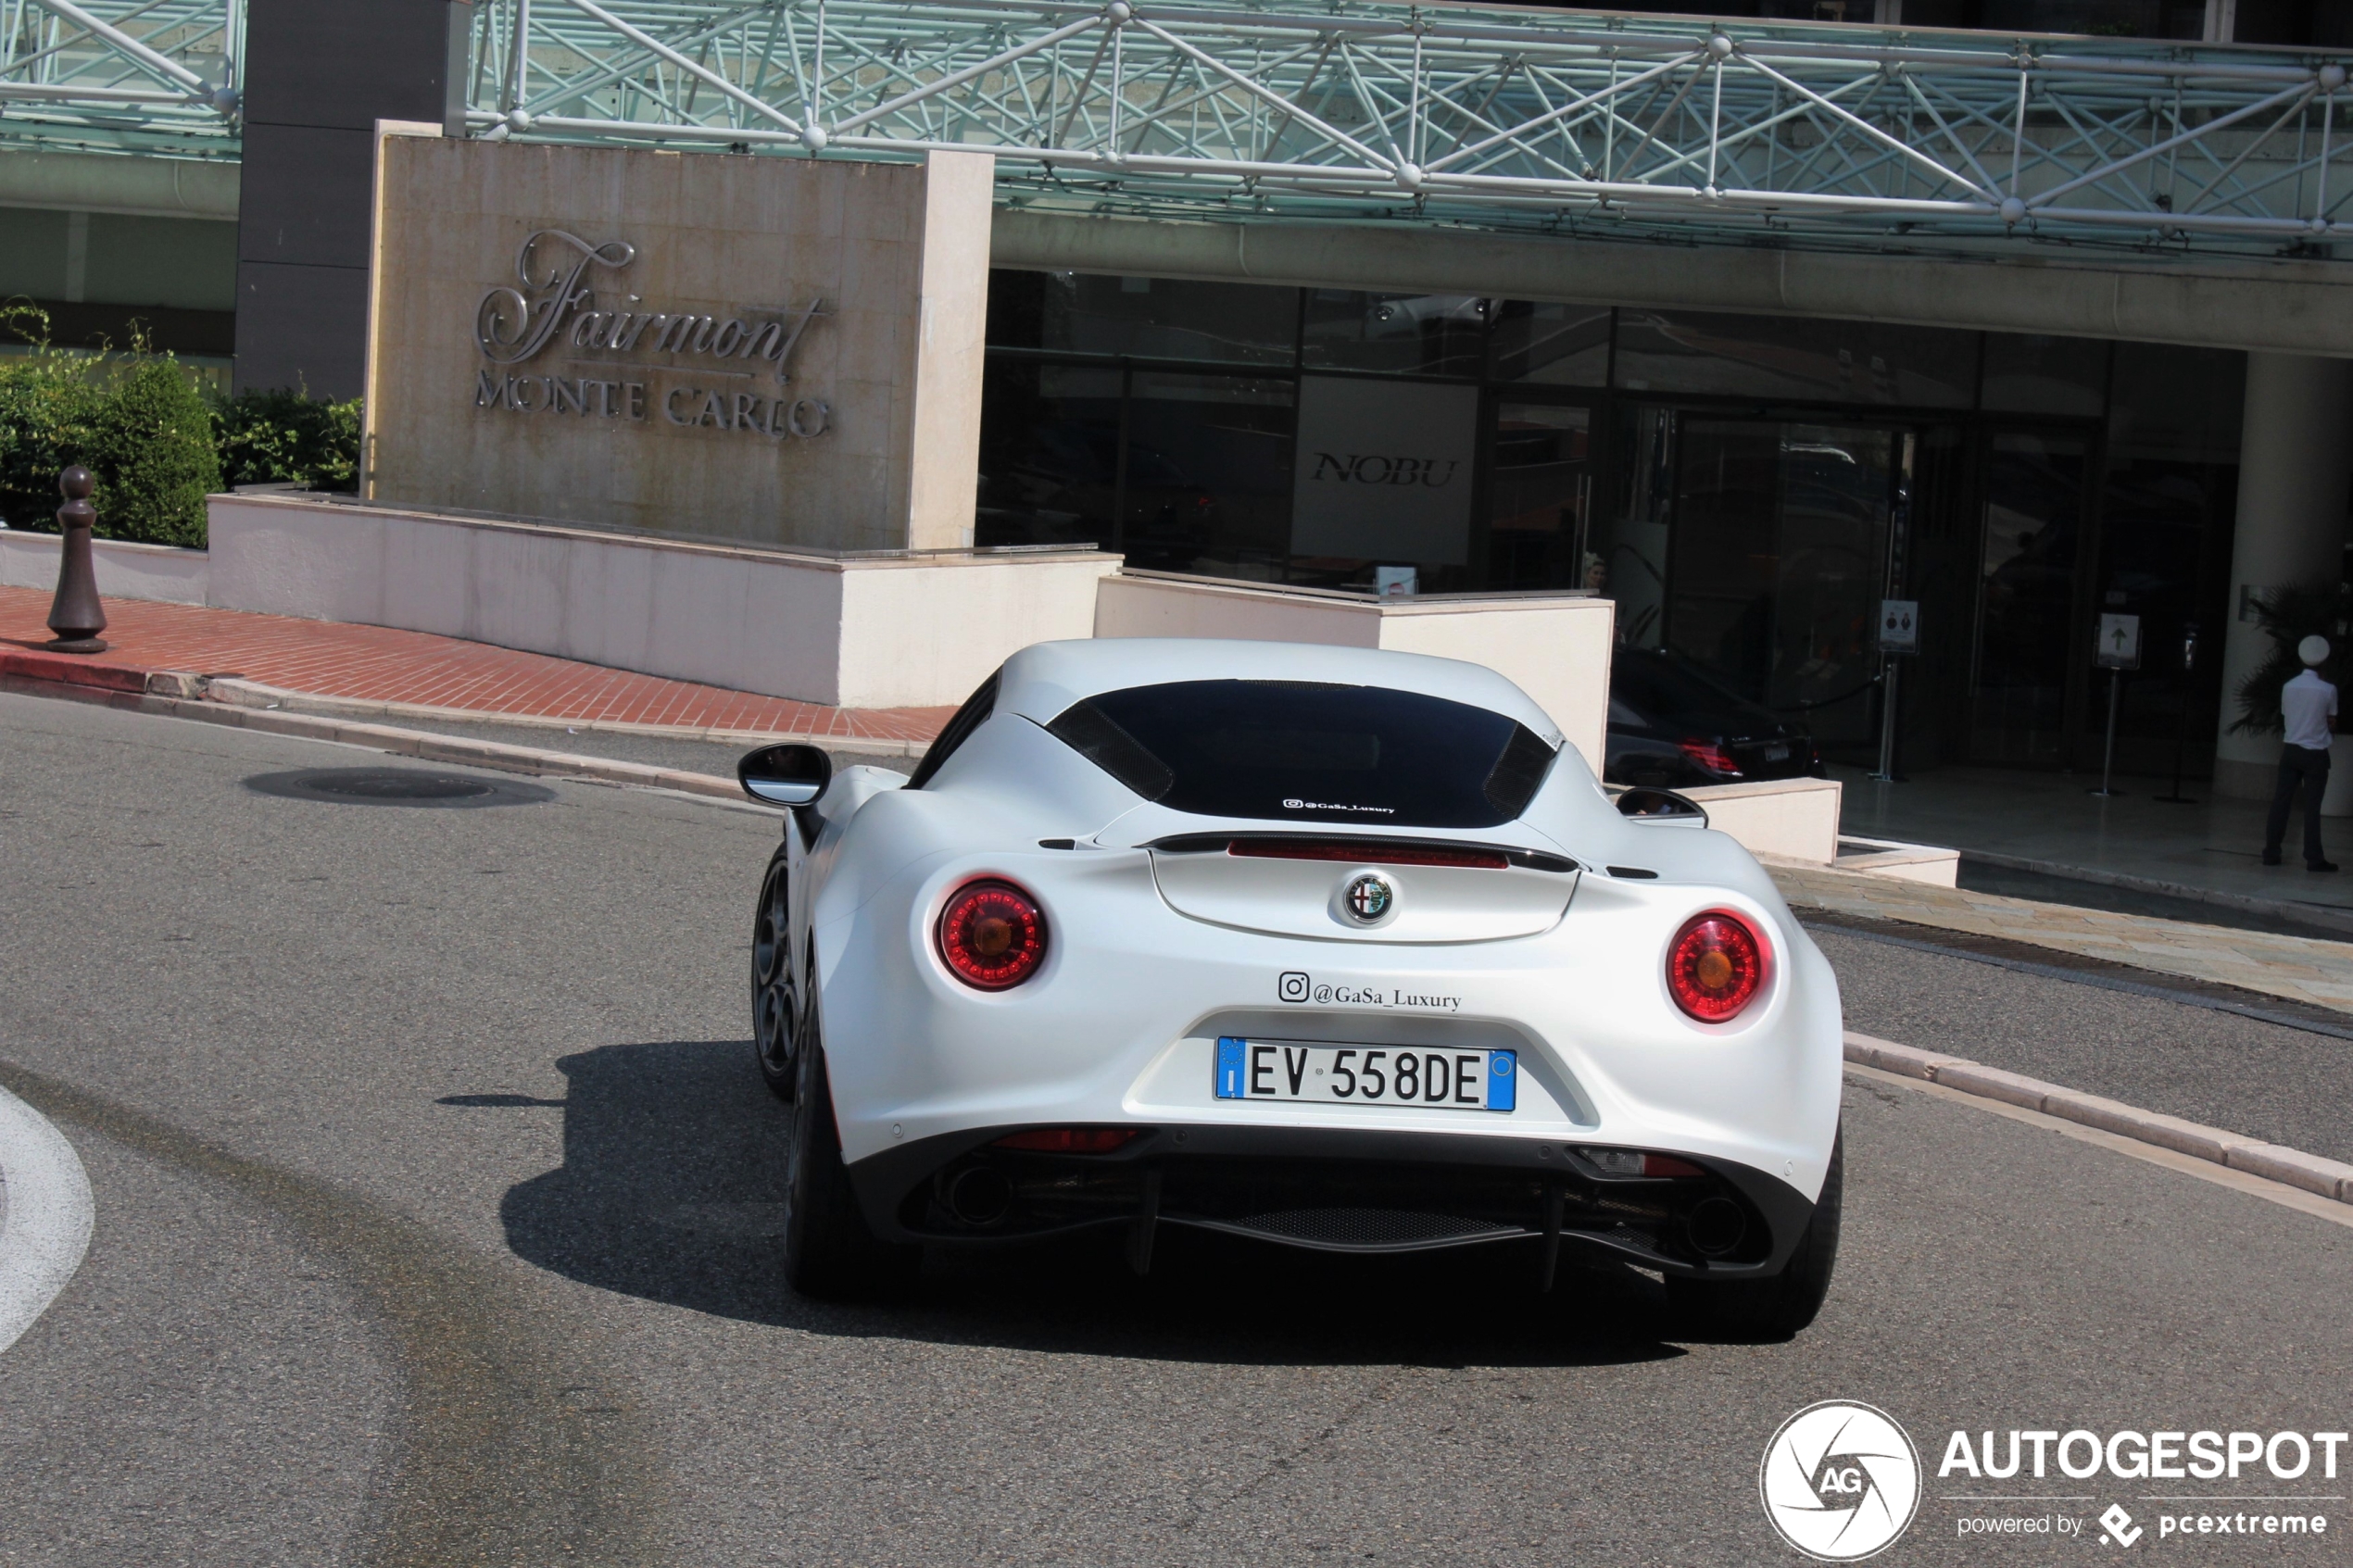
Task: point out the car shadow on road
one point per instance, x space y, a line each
671 1190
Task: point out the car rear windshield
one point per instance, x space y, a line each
1302 751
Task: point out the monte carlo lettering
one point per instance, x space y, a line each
556 305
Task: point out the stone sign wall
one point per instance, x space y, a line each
769 349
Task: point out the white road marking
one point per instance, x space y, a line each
46 1230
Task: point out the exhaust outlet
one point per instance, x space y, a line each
1714 1226
979 1195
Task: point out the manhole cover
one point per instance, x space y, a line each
395 786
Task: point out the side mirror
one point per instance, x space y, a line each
1646 804
793 773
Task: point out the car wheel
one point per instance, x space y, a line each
829 1253
1781 1305
776 1004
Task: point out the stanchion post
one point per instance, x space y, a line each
2108 753
1890 665
75 614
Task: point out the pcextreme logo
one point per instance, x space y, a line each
1839 1481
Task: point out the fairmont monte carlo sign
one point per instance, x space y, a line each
560 344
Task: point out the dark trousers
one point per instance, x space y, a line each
2310 768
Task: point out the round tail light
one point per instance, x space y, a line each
1716 967
992 936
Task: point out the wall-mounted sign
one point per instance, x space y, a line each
651 355
1383 470
777 350
1899 626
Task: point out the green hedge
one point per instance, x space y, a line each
157 442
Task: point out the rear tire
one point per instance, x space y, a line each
1782 1306
829 1252
775 1002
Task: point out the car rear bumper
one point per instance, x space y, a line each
1334 1189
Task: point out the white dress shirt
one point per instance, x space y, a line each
2308 703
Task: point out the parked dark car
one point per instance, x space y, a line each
1670 724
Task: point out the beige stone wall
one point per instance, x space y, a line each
678 441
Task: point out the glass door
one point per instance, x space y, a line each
1780 550
2026 646
1540 499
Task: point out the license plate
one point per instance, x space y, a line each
1776 752
1417 1075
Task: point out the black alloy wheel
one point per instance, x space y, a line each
1780 1307
775 1000
829 1253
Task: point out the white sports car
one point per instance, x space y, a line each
1333 947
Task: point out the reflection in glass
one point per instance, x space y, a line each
1629 537
2033 510
2131 18
1794 357
1431 334
1539 497
1780 533
1147 318
1551 344
2035 373
1208 474
2169 496
1048 454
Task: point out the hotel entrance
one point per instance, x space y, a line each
1745 488
1757 549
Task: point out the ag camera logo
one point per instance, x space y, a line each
1839 1481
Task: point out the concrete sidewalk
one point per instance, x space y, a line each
2302 969
2050 822
378 665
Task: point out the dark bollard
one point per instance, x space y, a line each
76 615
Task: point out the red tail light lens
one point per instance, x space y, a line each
1709 755
1073 1140
992 936
1716 967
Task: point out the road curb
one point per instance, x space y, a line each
69 670
236 691
2290 1167
421 744
2333 916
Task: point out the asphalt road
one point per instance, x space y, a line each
436 1226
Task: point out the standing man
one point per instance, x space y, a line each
2308 705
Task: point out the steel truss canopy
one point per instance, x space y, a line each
1482 117
121 76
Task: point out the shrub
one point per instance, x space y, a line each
156 444
2288 616
48 412
289 438
151 450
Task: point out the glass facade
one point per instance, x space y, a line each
1746 488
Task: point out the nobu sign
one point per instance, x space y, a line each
558 303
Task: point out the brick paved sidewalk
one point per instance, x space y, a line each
376 663
2303 968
